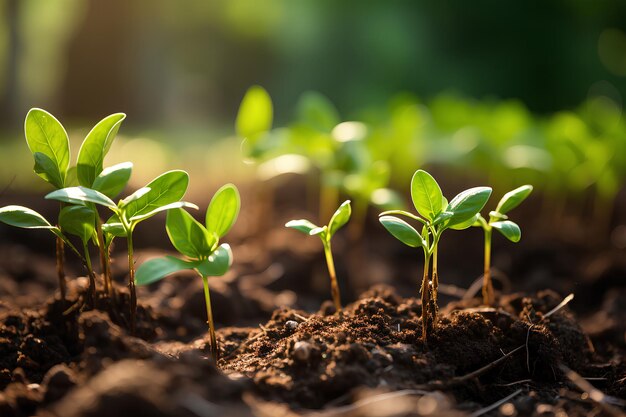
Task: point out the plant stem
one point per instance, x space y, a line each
60 255
91 299
488 296
334 288
209 313
435 287
131 281
104 259
425 300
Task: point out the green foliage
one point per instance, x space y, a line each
112 180
498 218
223 210
338 220
255 114
402 231
23 217
78 221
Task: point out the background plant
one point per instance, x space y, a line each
339 218
498 220
200 246
436 215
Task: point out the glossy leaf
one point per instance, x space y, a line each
340 217
255 113
156 269
426 194
95 147
223 210
78 221
322 231
113 227
218 263
46 135
81 195
23 217
467 223
513 198
508 229
189 236
402 231
112 180
171 206
165 189
467 203
302 225
442 217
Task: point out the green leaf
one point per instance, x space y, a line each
255 114
340 217
466 224
78 221
402 231
81 195
467 203
47 169
218 263
113 227
158 268
317 111
322 231
112 180
508 229
23 217
442 217
165 189
426 195
46 135
175 205
223 210
95 147
302 225
189 236
513 198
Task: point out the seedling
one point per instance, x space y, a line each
436 215
161 194
339 218
499 220
200 245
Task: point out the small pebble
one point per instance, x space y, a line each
301 351
291 325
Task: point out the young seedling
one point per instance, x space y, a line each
161 194
436 215
200 245
498 220
339 218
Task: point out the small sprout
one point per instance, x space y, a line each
161 194
339 218
200 245
436 215
498 220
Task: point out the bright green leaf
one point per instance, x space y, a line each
322 231
112 180
218 263
78 221
426 195
46 135
174 205
165 189
442 217
156 269
466 224
95 147
23 217
340 217
513 198
508 229
467 203
188 236
302 225
255 114
402 231
223 210
81 195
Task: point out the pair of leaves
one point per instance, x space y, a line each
498 218
217 264
195 240
338 220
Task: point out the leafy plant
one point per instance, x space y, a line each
161 194
498 220
339 218
436 215
200 246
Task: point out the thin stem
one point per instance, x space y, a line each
435 286
131 281
104 259
488 295
92 278
334 288
60 257
209 313
425 299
